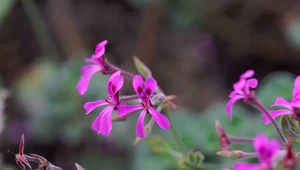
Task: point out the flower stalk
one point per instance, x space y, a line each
257 103
174 132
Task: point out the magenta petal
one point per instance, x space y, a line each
83 83
162 121
239 85
252 83
260 141
106 123
90 106
86 68
232 94
150 86
137 83
246 166
97 124
100 49
114 84
247 74
282 102
124 109
230 104
117 73
140 132
297 83
275 114
89 60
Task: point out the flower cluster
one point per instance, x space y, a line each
269 152
145 91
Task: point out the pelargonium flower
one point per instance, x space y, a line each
144 90
103 123
241 90
267 151
291 107
96 64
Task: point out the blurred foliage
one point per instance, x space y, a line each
55 108
5 7
293 33
181 14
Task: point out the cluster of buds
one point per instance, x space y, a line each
270 153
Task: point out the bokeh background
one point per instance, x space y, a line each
196 49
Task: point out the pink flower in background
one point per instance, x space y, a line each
266 149
291 107
144 90
103 123
96 65
241 90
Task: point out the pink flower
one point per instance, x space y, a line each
103 123
241 90
266 149
96 65
144 90
291 107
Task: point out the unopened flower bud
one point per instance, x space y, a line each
290 159
223 139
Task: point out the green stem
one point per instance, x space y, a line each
173 130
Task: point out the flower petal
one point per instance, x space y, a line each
260 141
124 109
87 68
246 166
100 49
247 74
114 84
83 83
252 83
282 102
150 86
230 104
162 121
296 91
106 123
90 106
140 132
137 83
232 94
238 86
275 114
96 125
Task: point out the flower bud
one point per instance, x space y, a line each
223 139
290 159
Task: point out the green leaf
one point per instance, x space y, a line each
5 7
142 68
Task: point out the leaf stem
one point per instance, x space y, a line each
174 132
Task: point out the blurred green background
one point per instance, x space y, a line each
196 49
